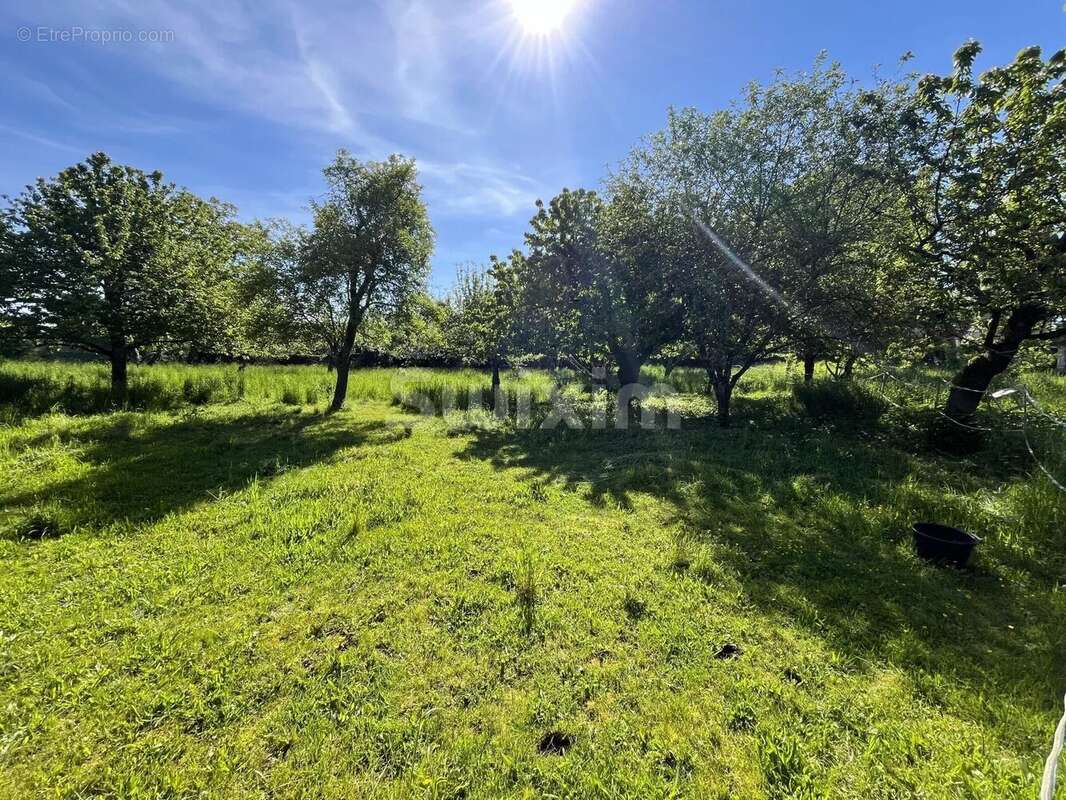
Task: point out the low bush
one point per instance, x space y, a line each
838 400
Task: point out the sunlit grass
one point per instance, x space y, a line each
247 597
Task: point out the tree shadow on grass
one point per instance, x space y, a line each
138 474
31 396
814 525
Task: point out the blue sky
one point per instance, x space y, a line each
247 101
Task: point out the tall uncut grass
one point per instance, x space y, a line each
31 388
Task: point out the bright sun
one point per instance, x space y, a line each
541 17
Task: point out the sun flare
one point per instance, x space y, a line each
541 17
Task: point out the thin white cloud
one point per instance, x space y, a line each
478 189
37 139
375 77
292 205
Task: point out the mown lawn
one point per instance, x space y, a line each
253 599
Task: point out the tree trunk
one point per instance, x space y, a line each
971 383
808 366
628 367
1060 363
723 394
628 374
849 366
495 375
344 362
340 391
119 382
722 385
119 354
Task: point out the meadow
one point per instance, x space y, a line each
224 591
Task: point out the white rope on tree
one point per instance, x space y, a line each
1027 400
1060 423
1047 786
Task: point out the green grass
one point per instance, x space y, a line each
248 598
32 388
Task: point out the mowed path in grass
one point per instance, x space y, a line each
251 600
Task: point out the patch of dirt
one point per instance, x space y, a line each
555 743
729 651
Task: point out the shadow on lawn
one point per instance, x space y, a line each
140 474
810 522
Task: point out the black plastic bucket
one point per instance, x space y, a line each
944 544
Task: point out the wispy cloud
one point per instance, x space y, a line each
37 139
252 204
343 69
376 77
479 189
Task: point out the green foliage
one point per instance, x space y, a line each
769 213
595 278
372 235
838 400
981 164
369 251
476 322
359 272
984 162
108 259
415 333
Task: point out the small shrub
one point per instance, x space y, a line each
38 526
837 400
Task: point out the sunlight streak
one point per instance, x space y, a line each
739 263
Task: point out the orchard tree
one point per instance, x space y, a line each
716 183
834 206
596 265
983 167
869 309
560 244
288 309
108 259
368 252
475 322
414 333
515 340
485 323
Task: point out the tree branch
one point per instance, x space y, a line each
993 328
1055 334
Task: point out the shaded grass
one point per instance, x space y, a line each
245 601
